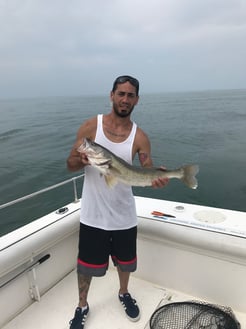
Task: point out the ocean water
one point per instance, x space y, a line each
207 128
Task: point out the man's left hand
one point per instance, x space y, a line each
160 182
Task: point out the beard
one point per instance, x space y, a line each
122 113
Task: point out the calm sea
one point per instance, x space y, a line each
207 128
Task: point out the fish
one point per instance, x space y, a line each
115 169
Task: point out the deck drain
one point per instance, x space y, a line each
179 208
210 216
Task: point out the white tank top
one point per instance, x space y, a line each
104 207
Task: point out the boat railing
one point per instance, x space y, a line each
72 180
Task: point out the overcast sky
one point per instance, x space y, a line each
76 47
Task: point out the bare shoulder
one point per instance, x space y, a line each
76 160
142 142
88 129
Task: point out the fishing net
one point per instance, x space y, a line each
193 315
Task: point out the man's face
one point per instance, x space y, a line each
124 99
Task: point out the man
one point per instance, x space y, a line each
108 221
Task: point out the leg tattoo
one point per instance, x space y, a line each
83 285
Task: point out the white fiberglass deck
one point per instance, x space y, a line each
57 306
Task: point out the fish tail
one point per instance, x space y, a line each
189 175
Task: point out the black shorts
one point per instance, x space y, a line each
96 245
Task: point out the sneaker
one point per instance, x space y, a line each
130 306
79 318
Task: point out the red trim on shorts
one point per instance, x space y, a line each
132 261
92 265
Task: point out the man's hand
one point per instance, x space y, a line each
84 159
77 160
160 182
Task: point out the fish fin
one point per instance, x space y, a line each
189 178
110 180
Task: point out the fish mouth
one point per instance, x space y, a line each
87 142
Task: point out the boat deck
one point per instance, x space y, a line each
57 306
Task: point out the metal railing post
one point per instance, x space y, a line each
75 190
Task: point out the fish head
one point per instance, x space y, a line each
97 155
87 146
92 148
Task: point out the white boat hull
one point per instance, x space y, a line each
184 254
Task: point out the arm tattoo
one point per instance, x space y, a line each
142 158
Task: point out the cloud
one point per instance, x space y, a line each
58 46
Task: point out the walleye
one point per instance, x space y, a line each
117 170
